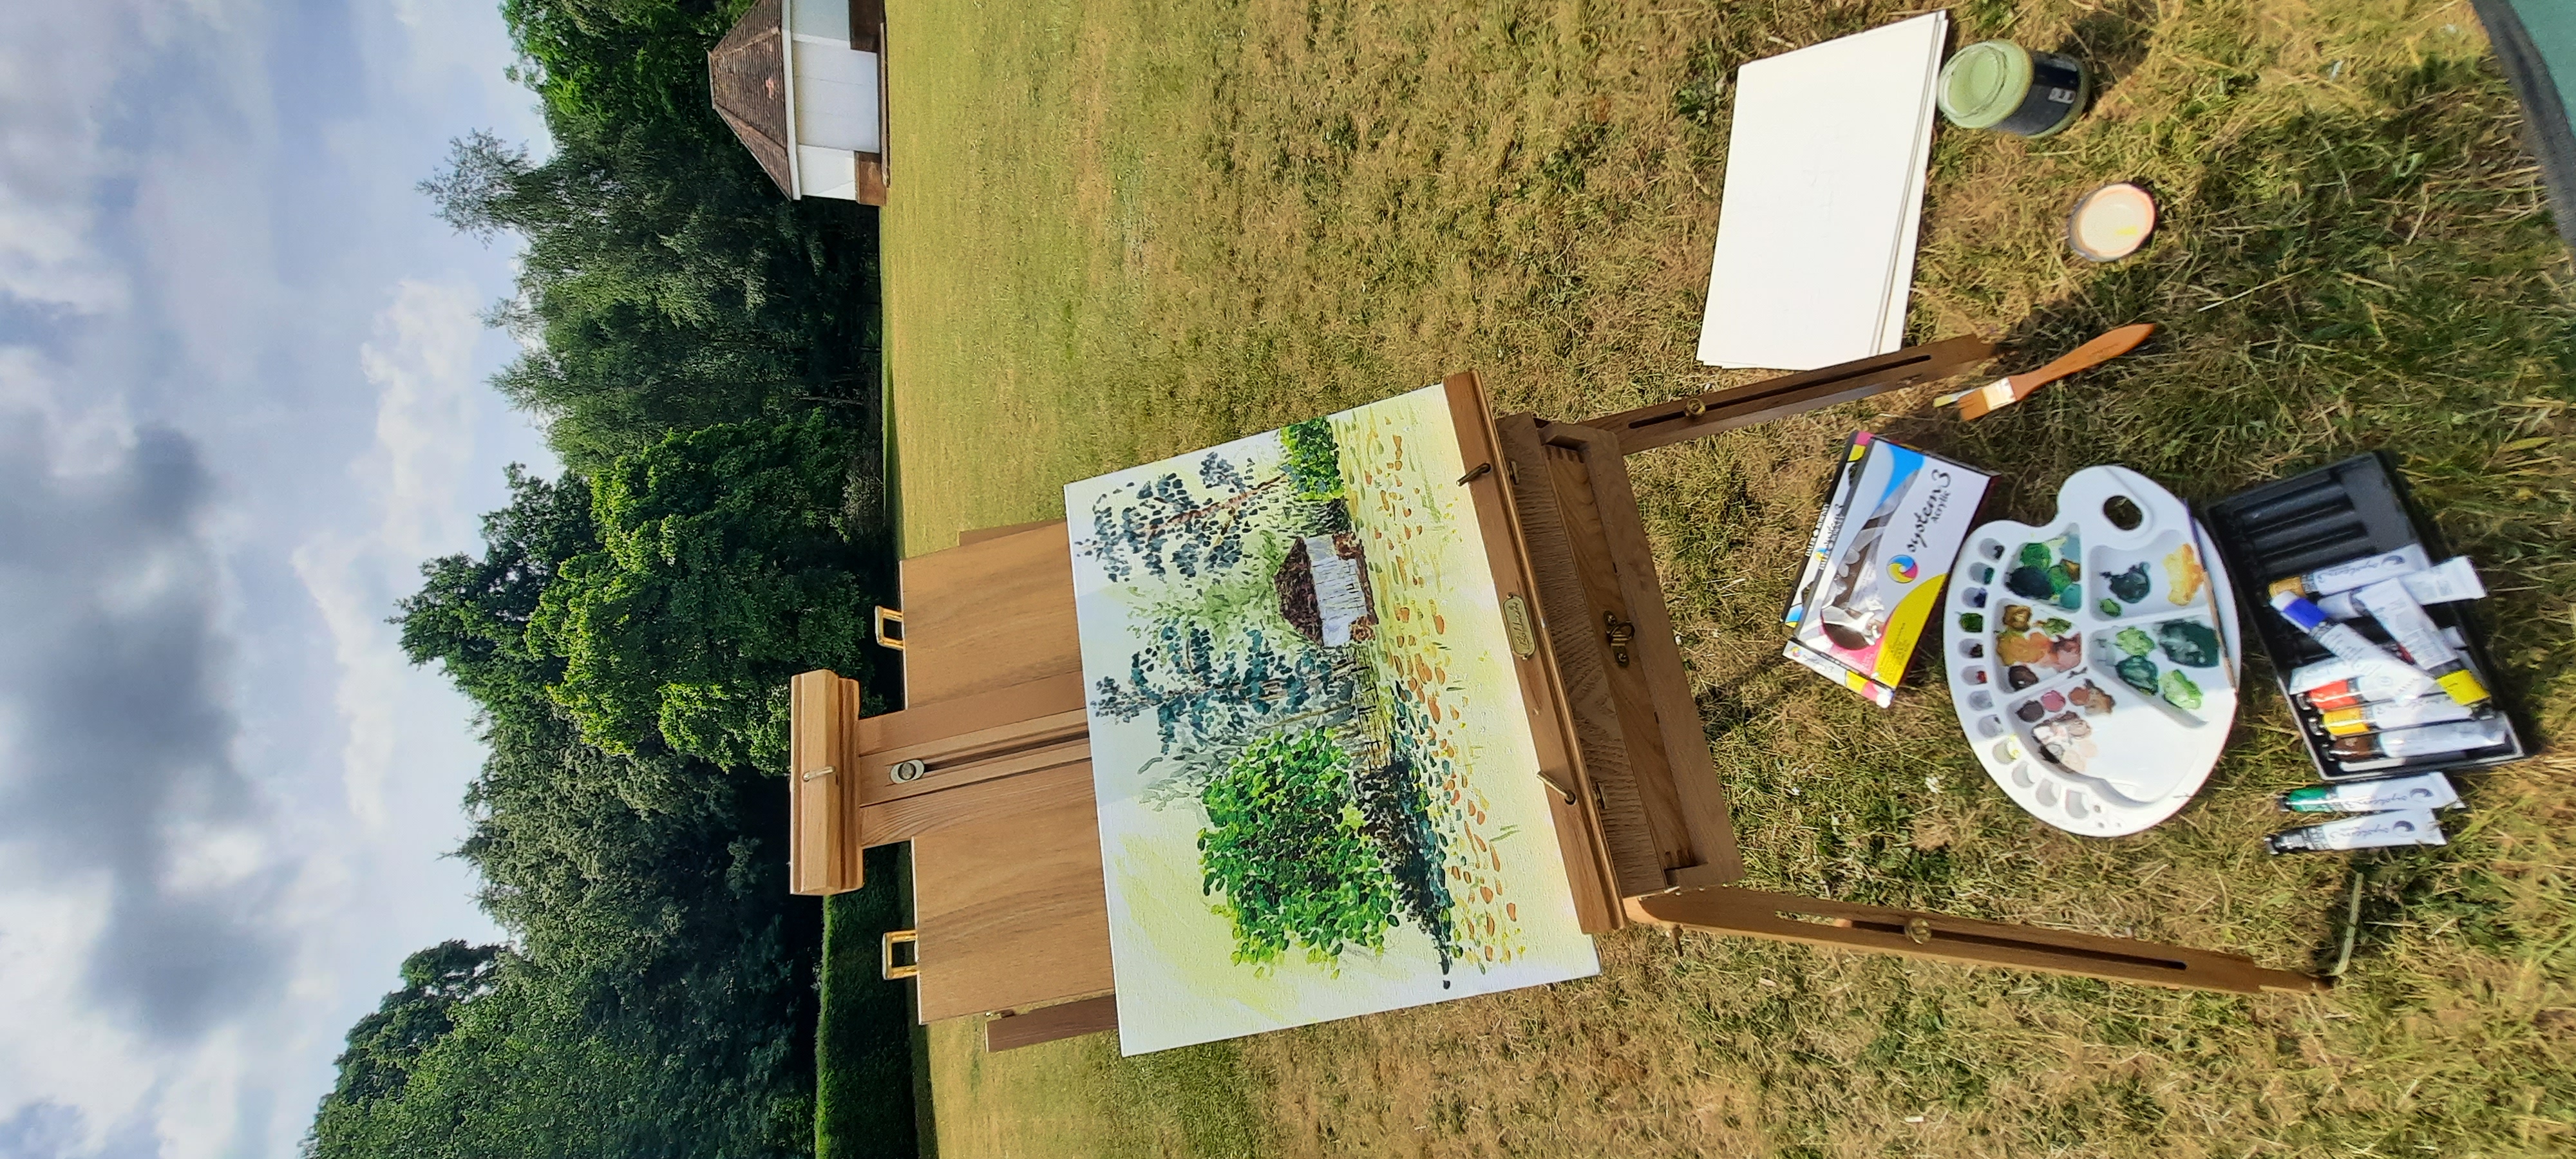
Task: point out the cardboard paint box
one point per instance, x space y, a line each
1890 532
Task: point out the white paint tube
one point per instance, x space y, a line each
2421 791
2354 573
2384 715
2431 740
2369 831
2454 579
2370 660
2422 639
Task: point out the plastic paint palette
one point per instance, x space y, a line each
2094 666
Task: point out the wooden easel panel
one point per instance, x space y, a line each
1051 1023
821 857
939 728
1043 791
1616 816
989 615
1653 690
1011 910
1663 813
980 534
1543 697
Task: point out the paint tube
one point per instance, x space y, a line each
2371 662
2369 831
2340 683
2450 582
2431 740
2353 573
2421 791
2389 603
2381 716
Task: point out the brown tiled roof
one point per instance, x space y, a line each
747 72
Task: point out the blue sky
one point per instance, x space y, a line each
241 398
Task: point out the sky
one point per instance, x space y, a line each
242 397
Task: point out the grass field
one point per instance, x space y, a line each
1122 230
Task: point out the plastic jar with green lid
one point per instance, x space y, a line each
1999 85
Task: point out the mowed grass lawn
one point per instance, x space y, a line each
1122 230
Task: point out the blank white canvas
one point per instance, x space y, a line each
1825 164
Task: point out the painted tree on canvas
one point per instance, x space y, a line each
1168 526
1210 695
1289 855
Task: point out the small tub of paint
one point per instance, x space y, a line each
1999 85
2111 223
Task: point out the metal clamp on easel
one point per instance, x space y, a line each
886 966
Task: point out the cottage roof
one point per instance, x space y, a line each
747 74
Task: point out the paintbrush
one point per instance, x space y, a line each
1975 402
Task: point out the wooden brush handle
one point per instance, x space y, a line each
2085 357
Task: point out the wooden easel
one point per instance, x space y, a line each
987 769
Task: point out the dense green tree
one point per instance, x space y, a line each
730 559
384 1046
658 999
471 614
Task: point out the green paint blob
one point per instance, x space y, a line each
2179 691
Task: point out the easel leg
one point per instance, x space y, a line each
1782 917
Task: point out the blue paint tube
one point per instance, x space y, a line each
2370 661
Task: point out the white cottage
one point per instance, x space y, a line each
802 83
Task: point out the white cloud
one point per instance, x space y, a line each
420 362
51 152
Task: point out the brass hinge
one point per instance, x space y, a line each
1617 633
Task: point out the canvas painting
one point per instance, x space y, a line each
1318 790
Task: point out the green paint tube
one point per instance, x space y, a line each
2421 791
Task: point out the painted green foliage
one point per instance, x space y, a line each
1314 462
1288 851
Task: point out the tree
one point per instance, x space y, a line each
659 1000
665 282
1313 460
471 615
385 1045
729 561
1287 848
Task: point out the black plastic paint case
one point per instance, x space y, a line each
2299 524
